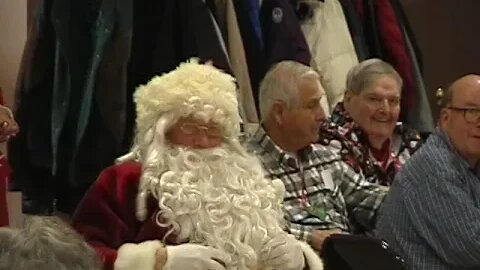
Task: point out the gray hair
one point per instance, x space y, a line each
447 98
47 243
366 73
6 239
281 84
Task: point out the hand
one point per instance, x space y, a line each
319 236
160 258
195 257
283 252
8 126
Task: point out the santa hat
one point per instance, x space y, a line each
192 88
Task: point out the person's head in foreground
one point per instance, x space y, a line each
45 243
210 192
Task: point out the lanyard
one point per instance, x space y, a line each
316 211
304 198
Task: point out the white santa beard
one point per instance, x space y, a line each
218 198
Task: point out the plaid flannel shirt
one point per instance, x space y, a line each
346 199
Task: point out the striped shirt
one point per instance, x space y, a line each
322 192
432 215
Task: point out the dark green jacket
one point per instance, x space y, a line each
71 92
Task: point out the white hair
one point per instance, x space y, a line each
281 84
366 73
6 239
47 243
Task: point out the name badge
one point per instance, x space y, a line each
328 180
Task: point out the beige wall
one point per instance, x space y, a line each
13 33
447 33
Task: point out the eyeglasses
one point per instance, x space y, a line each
471 115
191 128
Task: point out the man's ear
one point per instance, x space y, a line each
444 115
347 97
278 112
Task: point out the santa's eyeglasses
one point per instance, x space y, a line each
191 128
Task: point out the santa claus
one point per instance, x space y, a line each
189 196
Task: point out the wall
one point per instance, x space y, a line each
13 33
447 33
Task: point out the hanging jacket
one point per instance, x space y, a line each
282 36
404 22
71 91
356 29
227 20
332 48
420 116
74 92
254 54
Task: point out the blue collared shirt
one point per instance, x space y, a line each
431 216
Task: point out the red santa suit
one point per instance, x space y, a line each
106 215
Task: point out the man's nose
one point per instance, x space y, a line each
202 141
385 106
320 114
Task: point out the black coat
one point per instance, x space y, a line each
282 35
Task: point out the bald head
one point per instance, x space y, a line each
470 82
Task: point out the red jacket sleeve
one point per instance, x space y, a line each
4 178
106 215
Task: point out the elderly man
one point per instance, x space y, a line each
432 214
323 194
365 128
195 199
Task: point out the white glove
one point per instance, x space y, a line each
195 257
283 252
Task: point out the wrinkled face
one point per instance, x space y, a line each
462 122
302 122
193 133
376 109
